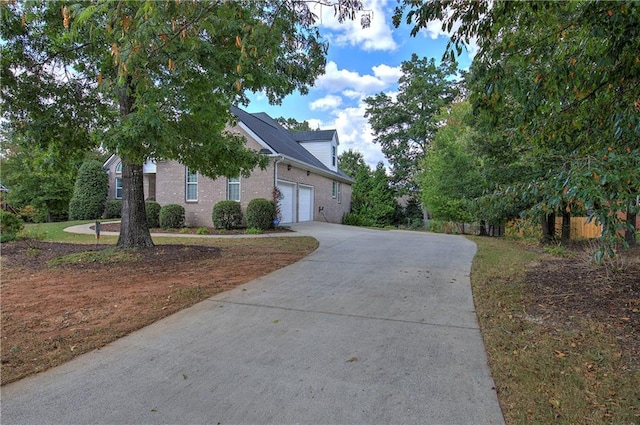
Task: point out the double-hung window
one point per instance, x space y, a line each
233 189
118 194
191 189
336 191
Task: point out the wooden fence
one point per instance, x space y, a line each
580 229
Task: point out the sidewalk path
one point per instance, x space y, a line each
374 327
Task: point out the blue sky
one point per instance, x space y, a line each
360 63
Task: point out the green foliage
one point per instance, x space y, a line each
171 216
260 213
89 193
29 214
37 178
372 199
227 215
202 231
114 208
555 93
253 231
121 65
405 126
451 175
152 209
10 225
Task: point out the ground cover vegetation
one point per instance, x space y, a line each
562 336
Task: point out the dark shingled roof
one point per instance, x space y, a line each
284 142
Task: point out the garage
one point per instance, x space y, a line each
305 203
287 203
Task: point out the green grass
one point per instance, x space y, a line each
546 373
54 232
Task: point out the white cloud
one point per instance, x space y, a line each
434 30
354 132
388 74
378 36
327 102
336 80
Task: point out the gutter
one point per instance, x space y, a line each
306 166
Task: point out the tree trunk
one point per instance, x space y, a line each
483 228
134 231
566 225
630 233
548 227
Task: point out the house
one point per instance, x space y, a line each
303 165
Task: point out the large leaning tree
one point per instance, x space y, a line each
153 80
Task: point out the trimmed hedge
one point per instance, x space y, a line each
10 225
227 215
152 209
260 213
90 192
172 216
114 208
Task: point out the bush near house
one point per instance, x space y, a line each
227 215
172 216
90 192
260 213
10 225
152 209
114 208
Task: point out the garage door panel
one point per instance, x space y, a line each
305 203
287 202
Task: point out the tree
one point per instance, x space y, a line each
292 124
372 198
451 177
153 80
571 70
90 192
405 126
352 162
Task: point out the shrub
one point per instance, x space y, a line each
227 215
172 216
260 213
29 213
10 225
253 231
353 219
153 213
202 231
114 208
89 193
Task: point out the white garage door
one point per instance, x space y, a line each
305 203
287 203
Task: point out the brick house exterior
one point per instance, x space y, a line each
303 165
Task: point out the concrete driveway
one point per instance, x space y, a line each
375 327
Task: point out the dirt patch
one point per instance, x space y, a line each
51 314
567 290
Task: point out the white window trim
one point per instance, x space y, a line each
118 179
229 183
339 192
190 183
334 189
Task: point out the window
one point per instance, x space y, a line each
233 189
118 194
118 187
192 186
336 191
333 156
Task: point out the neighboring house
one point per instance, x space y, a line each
303 165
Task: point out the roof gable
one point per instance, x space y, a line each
280 140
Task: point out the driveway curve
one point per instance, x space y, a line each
374 327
